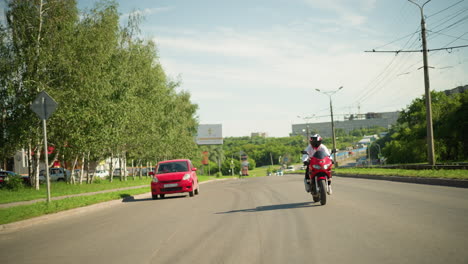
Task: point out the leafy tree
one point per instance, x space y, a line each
114 97
407 141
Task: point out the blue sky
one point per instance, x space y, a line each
253 66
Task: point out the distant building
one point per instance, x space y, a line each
259 134
351 122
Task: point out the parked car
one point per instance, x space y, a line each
118 171
55 174
175 176
5 175
290 168
101 173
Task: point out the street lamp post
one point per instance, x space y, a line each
329 94
427 90
306 119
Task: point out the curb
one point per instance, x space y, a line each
418 180
75 211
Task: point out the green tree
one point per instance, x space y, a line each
407 141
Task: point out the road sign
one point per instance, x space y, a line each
210 134
44 106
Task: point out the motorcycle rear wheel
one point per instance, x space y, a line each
323 192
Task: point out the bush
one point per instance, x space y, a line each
218 174
14 184
97 180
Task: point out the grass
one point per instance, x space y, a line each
447 174
62 188
22 212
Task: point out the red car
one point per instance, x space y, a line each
174 176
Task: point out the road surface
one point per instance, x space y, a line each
260 220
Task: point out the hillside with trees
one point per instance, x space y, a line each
406 142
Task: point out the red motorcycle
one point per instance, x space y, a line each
320 166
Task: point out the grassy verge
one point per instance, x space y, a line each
62 188
22 212
447 174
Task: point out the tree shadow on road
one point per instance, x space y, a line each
273 207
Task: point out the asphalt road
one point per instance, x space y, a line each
260 220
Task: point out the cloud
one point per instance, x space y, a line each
270 75
257 63
148 11
349 11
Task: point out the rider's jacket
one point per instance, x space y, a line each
311 151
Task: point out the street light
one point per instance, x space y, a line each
329 94
427 91
306 119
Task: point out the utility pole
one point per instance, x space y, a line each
306 119
333 132
430 132
329 94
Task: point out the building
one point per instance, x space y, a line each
258 134
352 122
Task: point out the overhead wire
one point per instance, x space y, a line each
431 37
385 77
385 80
387 72
445 9
448 18
392 66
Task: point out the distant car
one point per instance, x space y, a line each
174 176
118 171
55 174
5 175
101 173
290 168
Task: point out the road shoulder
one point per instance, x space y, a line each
419 180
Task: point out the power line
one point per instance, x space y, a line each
419 61
449 26
383 79
411 34
400 51
445 9
447 35
385 73
449 18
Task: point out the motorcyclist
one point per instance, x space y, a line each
314 146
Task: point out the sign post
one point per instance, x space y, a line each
44 106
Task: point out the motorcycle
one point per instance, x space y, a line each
320 166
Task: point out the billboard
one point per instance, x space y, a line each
210 135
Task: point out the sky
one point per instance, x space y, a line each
254 66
